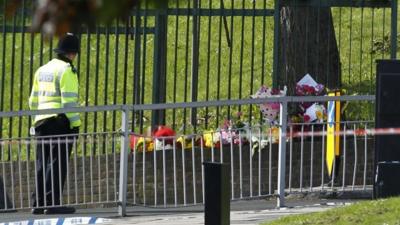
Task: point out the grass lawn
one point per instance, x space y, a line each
385 211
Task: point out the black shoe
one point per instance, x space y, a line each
38 211
60 210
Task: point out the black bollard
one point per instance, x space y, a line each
217 194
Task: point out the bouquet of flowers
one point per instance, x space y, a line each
310 111
161 137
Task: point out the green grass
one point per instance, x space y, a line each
366 213
362 37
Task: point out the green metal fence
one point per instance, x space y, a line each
203 50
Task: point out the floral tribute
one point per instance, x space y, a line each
309 112
270 110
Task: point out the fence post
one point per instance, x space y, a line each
393 52
282 154
123 166
160 64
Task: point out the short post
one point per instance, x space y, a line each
282 155
123 168
217 193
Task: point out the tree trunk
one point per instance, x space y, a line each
308 45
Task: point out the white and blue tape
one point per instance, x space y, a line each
60 221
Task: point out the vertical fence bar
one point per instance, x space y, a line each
83 145
312 157
355 157
250 164
144 172
202 169
123 169
282 154
20 172
187 37
136 58
21 77
106 78
240 166
115 167
76 168
209 31
144 56
195 61
174 162
99 137
87 89
365 158
230 37
184 174
176 36
5 178
164 174
59 165
219 67
270 162
344 156
3 69
275 70
232 172
393 36
194 172
107 166
12 75
51 171
155 171
290 157
96 87
116 55
241 54
134 173
92 146
301 157
253 22
28 176
12 175
259 161
323 157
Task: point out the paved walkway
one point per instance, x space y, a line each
253 217
250 212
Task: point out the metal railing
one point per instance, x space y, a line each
173 175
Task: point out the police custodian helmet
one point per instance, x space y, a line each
69 43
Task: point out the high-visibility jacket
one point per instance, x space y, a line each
55 86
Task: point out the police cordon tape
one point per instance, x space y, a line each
60 221
355 132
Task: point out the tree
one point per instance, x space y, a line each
60 16
308 45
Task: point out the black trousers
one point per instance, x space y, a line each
52 154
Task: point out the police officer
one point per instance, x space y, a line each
55 86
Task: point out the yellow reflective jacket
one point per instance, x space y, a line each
55 86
